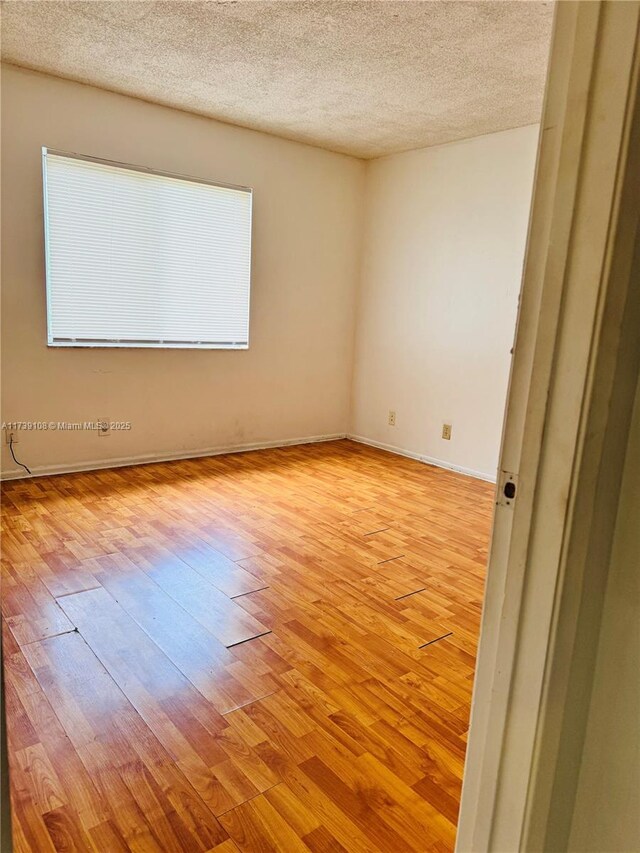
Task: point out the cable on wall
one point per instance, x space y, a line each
28 470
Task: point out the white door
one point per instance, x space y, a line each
574 372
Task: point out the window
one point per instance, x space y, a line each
136 258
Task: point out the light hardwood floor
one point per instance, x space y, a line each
256 652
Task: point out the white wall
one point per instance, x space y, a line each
443 252
293 382
431 242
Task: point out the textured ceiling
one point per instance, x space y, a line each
365 78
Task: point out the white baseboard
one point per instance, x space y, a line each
428 460
149 458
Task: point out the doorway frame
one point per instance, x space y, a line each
572 386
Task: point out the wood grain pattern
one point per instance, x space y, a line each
270 651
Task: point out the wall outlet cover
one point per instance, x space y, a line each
11 432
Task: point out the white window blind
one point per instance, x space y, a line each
136 258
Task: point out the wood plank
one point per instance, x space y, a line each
29 609
225 619
132 726
201 657
118 752
223 573
191 730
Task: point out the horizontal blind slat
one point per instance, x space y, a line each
135 256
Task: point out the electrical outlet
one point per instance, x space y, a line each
104 426
10 434
392 418
446 432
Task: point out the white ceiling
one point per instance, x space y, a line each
364 78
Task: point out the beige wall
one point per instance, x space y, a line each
443 253
606 817
437 279
294 381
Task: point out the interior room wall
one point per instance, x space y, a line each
418 256
444 241
294 381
